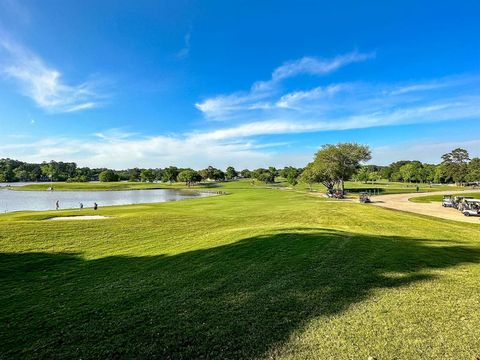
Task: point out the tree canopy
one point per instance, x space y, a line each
334 164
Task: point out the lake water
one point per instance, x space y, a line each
12 200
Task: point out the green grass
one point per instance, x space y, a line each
65 186
383 187
258 273
434 198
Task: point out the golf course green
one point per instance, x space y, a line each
261 272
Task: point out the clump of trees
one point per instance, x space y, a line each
189 177
108 176
14 170
291 174
456 167
265 175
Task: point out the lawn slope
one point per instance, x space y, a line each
258 273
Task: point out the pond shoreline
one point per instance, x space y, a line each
41 200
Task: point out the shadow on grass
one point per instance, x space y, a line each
234 301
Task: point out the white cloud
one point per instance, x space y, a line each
238 145
317 66
222 106
156 151
44 84
204 149
290 100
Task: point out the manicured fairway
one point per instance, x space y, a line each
258 273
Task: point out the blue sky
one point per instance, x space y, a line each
243 83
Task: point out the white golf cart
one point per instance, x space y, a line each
471 207
448 201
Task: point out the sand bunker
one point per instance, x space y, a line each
78 217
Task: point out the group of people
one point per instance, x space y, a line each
57 205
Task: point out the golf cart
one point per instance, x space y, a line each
460 202
364 198
471 207
448 201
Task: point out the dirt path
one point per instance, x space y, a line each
400 202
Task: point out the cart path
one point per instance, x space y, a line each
401 202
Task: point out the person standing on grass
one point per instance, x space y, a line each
95 206
81 206
57 205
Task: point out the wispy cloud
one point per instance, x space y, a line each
222 106
185 51
44 84
317 66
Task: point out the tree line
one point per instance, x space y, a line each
456 167
332 166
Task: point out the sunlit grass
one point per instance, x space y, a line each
258 273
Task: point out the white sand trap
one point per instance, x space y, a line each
78 217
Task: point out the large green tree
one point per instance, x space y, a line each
341 161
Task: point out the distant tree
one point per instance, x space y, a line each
189 177
394 170
385 172
411 171
246 174
230 173
147 175
218 175
363 174
473 170
48 169
108 176
291 174
440 174
134 174
158 174
21 174
265 175
456 165
373 176
428 173
170 174
209 173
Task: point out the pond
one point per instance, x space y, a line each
12 200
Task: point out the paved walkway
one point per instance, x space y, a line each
400 202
